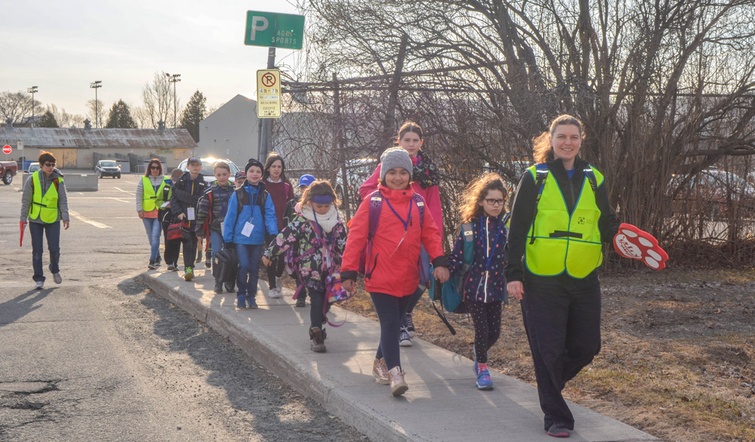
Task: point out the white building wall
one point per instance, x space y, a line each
231 132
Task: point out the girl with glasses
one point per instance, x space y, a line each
482 283
149 200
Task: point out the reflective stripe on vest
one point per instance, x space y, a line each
44 207
151 199
563 241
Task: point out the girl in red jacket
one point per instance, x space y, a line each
392 273
425 180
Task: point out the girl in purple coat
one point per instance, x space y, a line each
483 284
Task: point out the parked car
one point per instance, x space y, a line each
8 170
33 167
713 192
208 166
108 168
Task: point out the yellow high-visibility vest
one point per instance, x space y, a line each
44 207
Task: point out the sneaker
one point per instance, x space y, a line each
218 287
404 340
57 278
317 340
207 259
300 302
40 285
172 267
229 286
252 304
410 325
151 265
398 384
380 371
558 430
159 261
483 380
189 275
275 293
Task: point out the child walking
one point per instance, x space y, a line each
391 256
211 211
250 214
281 192
316 237
483 285
183 204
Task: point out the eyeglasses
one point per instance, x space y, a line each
494 202
49 164
155 167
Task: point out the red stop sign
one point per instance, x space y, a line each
7 149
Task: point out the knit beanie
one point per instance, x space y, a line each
395 157
253 162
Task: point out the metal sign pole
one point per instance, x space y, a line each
266 124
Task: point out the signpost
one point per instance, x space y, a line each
7 149
268 93
274 30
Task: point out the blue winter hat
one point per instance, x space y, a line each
306 179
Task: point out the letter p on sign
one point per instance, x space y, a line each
258 24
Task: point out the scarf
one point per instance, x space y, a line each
326 222
425 171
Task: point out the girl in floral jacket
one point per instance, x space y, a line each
316 237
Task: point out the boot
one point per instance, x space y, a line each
398 385
218 287
317 339
380 371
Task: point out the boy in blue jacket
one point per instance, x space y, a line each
250 217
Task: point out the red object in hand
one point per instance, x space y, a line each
21 227
633 243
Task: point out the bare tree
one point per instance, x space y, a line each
15 105
96 112
65 119
157 100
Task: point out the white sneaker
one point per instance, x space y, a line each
404 340
275 293
40 285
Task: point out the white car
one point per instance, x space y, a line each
208 166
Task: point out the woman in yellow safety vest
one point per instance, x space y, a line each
149 198
560 219
45 204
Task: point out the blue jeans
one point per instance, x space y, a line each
390 309
153 228
52 231
216 242
249 269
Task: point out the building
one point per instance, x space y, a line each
231 132
82 148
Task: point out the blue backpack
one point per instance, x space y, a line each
450 294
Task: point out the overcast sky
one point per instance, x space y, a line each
62 46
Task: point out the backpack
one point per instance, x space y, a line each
450 294
376 205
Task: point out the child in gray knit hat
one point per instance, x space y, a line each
393 158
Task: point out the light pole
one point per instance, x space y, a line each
96 85
173 79
32 90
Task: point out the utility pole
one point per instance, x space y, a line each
32 90
96 85
174 79
266 124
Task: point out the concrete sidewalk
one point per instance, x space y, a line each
442 403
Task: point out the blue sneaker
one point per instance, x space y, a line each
483 380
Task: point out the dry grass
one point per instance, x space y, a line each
677 360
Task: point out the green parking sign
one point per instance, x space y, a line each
274 30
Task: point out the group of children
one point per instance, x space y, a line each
262 222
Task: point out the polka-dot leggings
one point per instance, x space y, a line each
487 326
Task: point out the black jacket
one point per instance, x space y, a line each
523 208
185 195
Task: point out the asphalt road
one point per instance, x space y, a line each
101 357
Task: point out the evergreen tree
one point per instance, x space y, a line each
47 120
193 114
120 117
